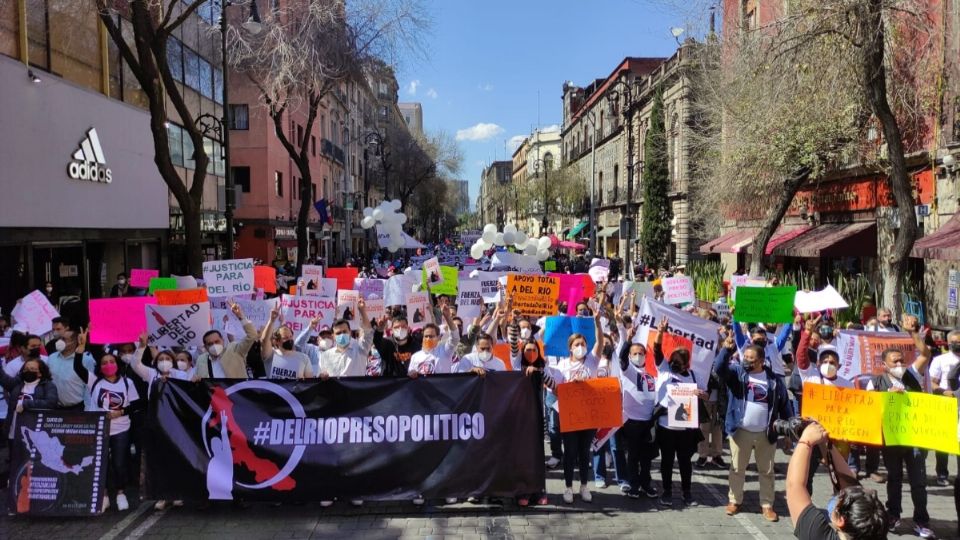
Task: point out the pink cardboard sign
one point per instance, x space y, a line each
140 277
118 320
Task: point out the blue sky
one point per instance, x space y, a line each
486 61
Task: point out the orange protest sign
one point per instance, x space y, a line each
265 277
534 296
181 296
502 351
590 404
847 414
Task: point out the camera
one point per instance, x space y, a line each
792 427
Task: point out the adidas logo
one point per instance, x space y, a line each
88 161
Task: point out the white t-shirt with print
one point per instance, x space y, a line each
757 403
288 365
112 396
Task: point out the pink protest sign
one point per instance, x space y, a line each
573 288
140 277
118 320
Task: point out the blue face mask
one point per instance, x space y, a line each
831 506
342 340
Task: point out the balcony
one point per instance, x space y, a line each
332 151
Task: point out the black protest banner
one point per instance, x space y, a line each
58 463
369 438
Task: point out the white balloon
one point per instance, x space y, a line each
367 222
509 228
396 204
377 214
521 238
392 249
367 212
490 227
543 255
484 244
499 239
401 218
544 243
521 245
476 251
530 250
508 238
489 236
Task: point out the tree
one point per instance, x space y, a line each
657 208
307 50
564 189
147 59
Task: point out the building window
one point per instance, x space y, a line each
750 15
278 183
239 116
548 161
191 69
675 148
175 141
218 85
241 178
616 181
175 58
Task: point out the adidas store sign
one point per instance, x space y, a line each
88 161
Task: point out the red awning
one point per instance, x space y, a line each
728 243
944 244
783 235
833 240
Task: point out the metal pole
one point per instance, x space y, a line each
628 266
229 188
593 190
546 198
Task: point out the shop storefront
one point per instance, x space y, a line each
81 196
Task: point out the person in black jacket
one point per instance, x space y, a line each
31 389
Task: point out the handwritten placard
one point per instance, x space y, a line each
920 421
678 290
162 284
232 277
682 406
847 414
534 295
765 304
298 311
590 404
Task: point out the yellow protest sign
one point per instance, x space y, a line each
847 414
534 296
920 420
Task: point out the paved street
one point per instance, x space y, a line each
610 514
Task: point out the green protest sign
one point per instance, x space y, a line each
448 286
765 304
162 284
550 266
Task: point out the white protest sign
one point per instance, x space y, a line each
369 287
469 300
347 307
34 314
186 282
298 311
434 275
311 280
177 326
682 406
504 260
419 313
375 308
678 290
828 298
701 334
398 287
744 281
599 269
258 311
489 290
229 278
225 322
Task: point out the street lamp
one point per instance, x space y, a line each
628 225
592 116
545 165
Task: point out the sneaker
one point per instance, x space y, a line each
451 500
769 514
178 503
160 505
688 500
568 496
356 502
924 532
474 500
719 462
733 509
600 483
326 504
585 493
418 501
634 494
624 487
106 503
650 492
878 478
893 522
553 462
943 481
702 462
665 500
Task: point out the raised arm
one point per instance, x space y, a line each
738 334
366 329
598 329
78 366
912 324
250 332
266 344
721 364
658 342
783 335
802 352
137 364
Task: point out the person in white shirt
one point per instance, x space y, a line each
639 399
348 357
481 360
31 349
579 366
280 360
940 366
436 356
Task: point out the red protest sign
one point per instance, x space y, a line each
671 342
265 277
344 277
181 296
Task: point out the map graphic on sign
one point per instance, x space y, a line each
51 451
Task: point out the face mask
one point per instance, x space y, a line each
325 344
164 366
429 343
760 342
584 313
127 358
579 352
33 353
121 282
636 359
60 345
182 365
530 356
485 356
29 376
829 371
400 334
216 349
49 289
108 370
955 347
287 344
897 372
524 333
342 340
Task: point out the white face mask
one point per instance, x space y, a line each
182 365
216 349
485 356
400 334
829 371
325 344
897 372
524 333
636 359
127 357
60 345
579 352
164 366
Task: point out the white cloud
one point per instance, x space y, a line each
514 142
479 132
412 87
485 87
550 129
432 94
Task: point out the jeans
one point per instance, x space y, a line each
615 446
895 457
942 461
577 454
641 449
117 465
680 445
553 426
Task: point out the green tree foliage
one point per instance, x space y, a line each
657 209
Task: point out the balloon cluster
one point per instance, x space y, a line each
534 247
389 216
